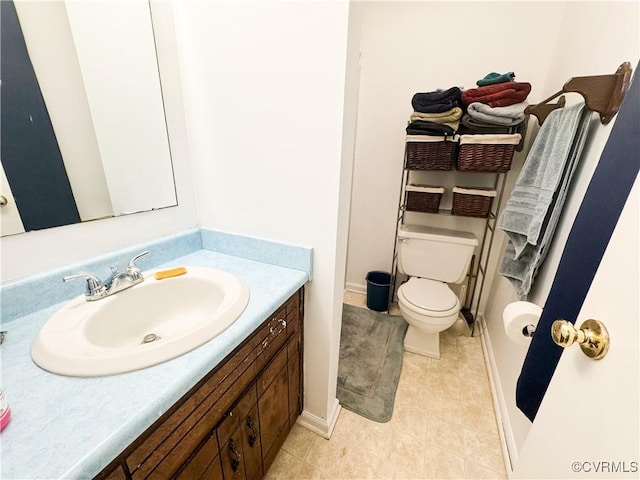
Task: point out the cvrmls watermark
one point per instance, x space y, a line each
604 466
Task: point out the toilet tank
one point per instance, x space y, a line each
435 253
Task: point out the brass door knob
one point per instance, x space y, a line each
592 337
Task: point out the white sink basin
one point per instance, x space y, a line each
173 316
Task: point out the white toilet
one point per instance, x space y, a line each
432 258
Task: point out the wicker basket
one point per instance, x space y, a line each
426 152
422 198
486 153
472 202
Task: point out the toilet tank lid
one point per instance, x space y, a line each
440 234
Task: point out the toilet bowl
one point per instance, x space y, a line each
432 258
430 307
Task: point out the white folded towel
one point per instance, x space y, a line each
483 192
492 139
431 138
424 189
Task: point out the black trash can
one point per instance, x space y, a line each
378 285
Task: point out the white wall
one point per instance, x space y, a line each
25 254
265 93
594 39
410 47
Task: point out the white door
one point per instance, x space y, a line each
588 423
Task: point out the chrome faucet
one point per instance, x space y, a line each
118 281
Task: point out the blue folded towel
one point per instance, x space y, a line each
532 212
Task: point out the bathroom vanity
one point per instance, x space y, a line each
221 410
233 422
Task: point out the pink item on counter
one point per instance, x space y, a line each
5 412
4 418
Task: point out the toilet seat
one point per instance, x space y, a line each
429 297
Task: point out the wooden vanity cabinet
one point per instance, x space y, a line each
232 424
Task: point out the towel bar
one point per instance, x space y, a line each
602 94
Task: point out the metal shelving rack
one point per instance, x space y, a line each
479 271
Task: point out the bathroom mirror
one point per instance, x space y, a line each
84 133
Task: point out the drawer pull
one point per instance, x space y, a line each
254 435
235 456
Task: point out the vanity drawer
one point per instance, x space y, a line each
116 474
276 337
202 461
236 415
272 371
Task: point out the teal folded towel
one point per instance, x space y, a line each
532 212
495 77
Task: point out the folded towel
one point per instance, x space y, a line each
437 107
498 95
510 115
531 214
437 101
495 77
431 138
451 115
423 127
491 139
470 125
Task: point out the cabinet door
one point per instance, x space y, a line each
232 456
251 444
273 409
293 365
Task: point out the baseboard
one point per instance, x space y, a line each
321 426
507 440
356 287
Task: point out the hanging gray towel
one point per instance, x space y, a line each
532 212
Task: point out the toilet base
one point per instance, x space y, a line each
425 344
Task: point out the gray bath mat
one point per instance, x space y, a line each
370 361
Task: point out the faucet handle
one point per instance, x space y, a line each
132 268
95 287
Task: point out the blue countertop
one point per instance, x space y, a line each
68 427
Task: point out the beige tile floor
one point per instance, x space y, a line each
443 426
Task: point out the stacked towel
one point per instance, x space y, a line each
495 77
435 113
423 127
531 214
508 116
499 94
444 117
496 106
437 101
